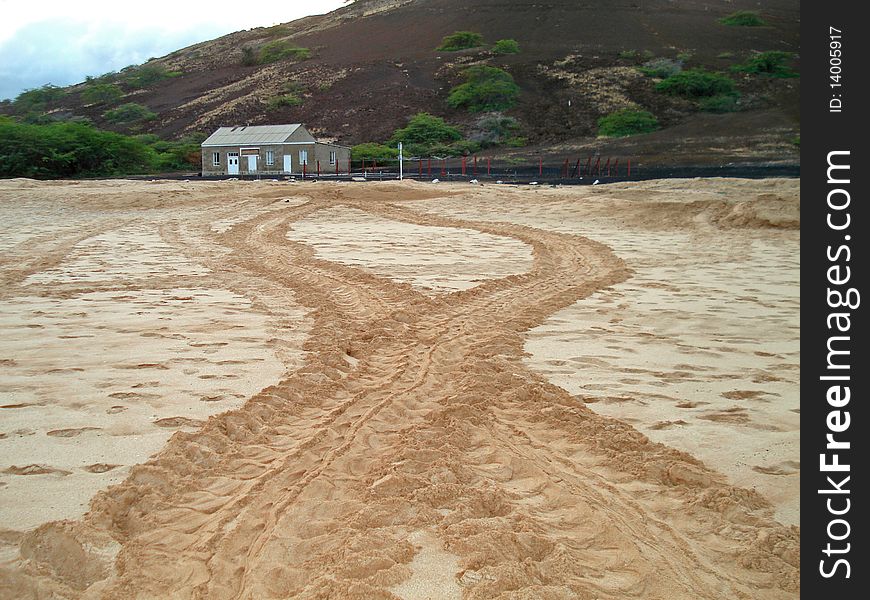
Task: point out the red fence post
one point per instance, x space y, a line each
429 167
443 167
629 167
336 166
597 168
304 169
349 166
488 165
540 166
616 167
475 165
318 168
607 166
577 169
565 169
464 159
588 170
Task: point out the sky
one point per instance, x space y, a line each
62 41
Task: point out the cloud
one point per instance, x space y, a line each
62 52
92 37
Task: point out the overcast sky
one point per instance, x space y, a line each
62 41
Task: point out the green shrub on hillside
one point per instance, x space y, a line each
128 113
146 75
461 40
372 150
69 150
723 103
423 133
281 50
485 89
743 18
627 122
494 129
661 67
276 102
37 99
102 93
696 83
249 57
506 46
772 64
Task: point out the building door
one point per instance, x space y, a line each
252 164
288 163
232 163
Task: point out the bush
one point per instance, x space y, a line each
37 99
516 142
485 89
627 122
507 46
371 150
461 40
102 93
661 67
69 150
743 18
281 50
494 129
249 57
770 63
147 75
128 113
423 132
628 54
276 102
696 83
723 103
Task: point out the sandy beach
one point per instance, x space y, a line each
399 390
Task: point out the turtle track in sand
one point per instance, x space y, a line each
413 429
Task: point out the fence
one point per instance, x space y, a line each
473 166
570 170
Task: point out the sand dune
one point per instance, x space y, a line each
359 385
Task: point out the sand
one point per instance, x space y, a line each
273 390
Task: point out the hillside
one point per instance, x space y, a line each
373 64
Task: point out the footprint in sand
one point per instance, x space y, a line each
99 468
34 470
178 422
66 433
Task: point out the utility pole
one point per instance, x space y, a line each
400 161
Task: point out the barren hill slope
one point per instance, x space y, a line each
374 63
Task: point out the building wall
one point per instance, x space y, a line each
316 151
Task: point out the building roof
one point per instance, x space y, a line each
253 134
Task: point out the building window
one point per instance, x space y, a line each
332 157
303 157
215 159
270 157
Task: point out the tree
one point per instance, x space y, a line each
485 89
102 93
425 132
